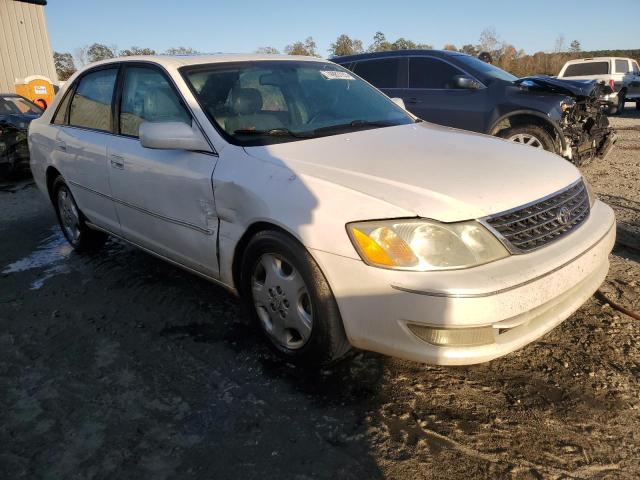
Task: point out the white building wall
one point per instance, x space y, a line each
24 44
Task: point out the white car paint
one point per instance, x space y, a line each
192 208
626 80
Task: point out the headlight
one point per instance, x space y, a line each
424 245
590 193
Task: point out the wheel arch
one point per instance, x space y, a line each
241 245
528 117
51 174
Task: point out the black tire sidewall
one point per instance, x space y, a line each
327 334
621 104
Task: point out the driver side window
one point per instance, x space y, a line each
147 96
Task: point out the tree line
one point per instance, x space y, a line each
504 54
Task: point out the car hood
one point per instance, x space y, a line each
18 120
428 170
574 88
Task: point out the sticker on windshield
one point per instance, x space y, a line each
336 75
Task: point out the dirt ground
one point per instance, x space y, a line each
117 365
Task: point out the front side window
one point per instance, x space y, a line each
432 73
91 104
586 69
483 70
147 96
635 67
622 66
263 102
382 73
18 106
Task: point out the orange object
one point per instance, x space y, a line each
36 87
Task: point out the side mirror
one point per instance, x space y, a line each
399 102
462 81
172 136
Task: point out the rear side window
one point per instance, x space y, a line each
635 67
91 104
432 73
382 73
588 68
147 96
60 117
622 66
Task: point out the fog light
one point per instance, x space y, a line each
454 337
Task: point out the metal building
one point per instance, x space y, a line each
25 51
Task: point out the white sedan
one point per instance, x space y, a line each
341 219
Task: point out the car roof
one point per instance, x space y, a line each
396 53
177 61
597 59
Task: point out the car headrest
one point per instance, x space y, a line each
246 101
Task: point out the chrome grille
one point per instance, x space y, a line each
535 225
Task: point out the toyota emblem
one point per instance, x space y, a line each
563 216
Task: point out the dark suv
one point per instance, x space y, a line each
457 90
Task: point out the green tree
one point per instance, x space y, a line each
306 48
345 45
100 51
575 47
268 51
470 50
65 67
136 51
181 51
380 43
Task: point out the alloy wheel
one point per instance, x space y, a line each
69 216
526 139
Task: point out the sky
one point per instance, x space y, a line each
241 26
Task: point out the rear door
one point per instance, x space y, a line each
434 95
84 122
633 81
388 74
164 198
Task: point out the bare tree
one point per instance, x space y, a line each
560 45
450 46
81 56
489 40
575 47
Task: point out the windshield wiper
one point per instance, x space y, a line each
354 124
273 132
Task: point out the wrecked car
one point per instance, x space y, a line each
457 90
16 113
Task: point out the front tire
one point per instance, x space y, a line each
530 135
290 300
72 221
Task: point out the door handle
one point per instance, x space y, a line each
412 101
117 162
61 146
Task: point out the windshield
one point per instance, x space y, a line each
17 106
485 69
264 102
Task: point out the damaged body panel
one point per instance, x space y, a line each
583 126
457 90
15 115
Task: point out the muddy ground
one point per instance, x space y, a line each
117 365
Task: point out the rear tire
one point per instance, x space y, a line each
622 100
72 221
637 105
291 301
531 135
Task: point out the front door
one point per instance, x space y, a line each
164 198
435 96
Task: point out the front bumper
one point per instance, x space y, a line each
522 297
